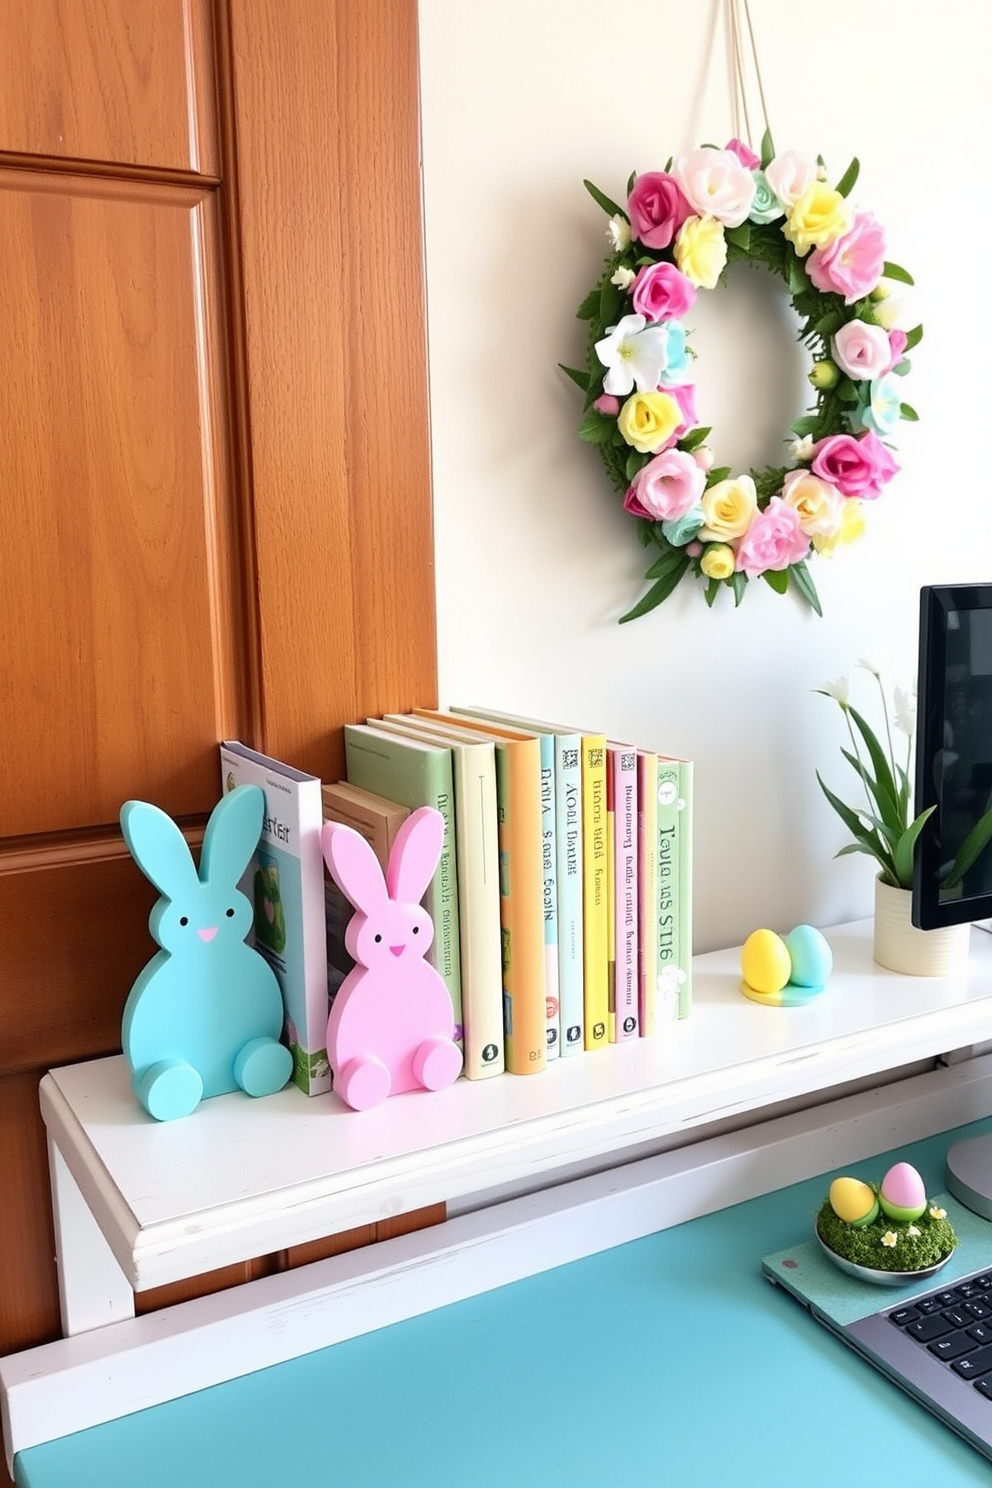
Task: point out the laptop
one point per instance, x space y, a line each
933 1338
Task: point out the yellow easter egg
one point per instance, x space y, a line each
853 1201
765 961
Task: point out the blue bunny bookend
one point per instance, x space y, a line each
204 1016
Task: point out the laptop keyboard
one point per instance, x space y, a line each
955 1325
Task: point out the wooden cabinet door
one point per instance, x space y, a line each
214 475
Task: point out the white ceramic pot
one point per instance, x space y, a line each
901 946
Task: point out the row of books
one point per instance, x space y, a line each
562 903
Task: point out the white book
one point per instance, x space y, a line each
285 883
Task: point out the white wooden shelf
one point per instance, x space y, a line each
242 1178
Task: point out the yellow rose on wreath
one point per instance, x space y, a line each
717 561
729 508
852 526
647 421
700 251
819 216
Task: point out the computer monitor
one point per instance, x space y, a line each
953 752
954 777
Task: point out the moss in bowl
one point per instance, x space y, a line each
887 1244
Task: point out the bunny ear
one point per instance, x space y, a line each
232 835
353 866
159 848
415 855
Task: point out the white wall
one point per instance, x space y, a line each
535 558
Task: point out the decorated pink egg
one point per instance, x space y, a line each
902 1195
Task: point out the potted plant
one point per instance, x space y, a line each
884 829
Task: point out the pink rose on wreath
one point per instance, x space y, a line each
656 208
852 264
716 184
857 467
774 540
684 394
668 486
897 346
744 154
662 292
862 351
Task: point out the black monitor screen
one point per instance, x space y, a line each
953 751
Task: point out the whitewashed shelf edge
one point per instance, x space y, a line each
241 1178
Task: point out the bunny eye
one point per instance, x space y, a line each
184 919
416 929
378 939
230 914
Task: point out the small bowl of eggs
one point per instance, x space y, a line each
889 1235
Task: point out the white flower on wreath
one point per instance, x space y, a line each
618 232
634 353
623 278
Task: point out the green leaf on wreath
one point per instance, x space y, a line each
635 463
847 180
802 580
827 324
611 300
717 474
630 182
609 207
893 271
658 592
797 275
738 583
908 412
581 379
596 428
711 591
589 305
914 337
767 151
805 425
777 579
694 439
739 236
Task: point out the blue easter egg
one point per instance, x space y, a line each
812 958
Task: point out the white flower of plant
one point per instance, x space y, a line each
634 353
905 708
623 278
890 1238
839 689
618 232
874 662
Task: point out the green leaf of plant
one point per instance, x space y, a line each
895 271
907 411
580 379
914 337
884 786
777 579
767 151
868 842
657 594
971 848
802 580
847 180
601 199
906 846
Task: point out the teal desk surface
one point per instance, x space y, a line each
666 1361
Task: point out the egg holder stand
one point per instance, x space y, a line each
806 945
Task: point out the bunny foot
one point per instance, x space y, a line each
263 1066
363 1083
437 1063
169 1089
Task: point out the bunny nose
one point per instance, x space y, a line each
207 934
397 950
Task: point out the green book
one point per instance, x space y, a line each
417 773
674 889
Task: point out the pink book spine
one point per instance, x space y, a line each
625 871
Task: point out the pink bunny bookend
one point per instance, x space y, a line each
392 1024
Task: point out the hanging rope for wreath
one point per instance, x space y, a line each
681 228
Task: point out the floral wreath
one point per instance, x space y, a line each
681 229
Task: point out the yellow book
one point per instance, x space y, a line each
647 890
595 891
519 829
